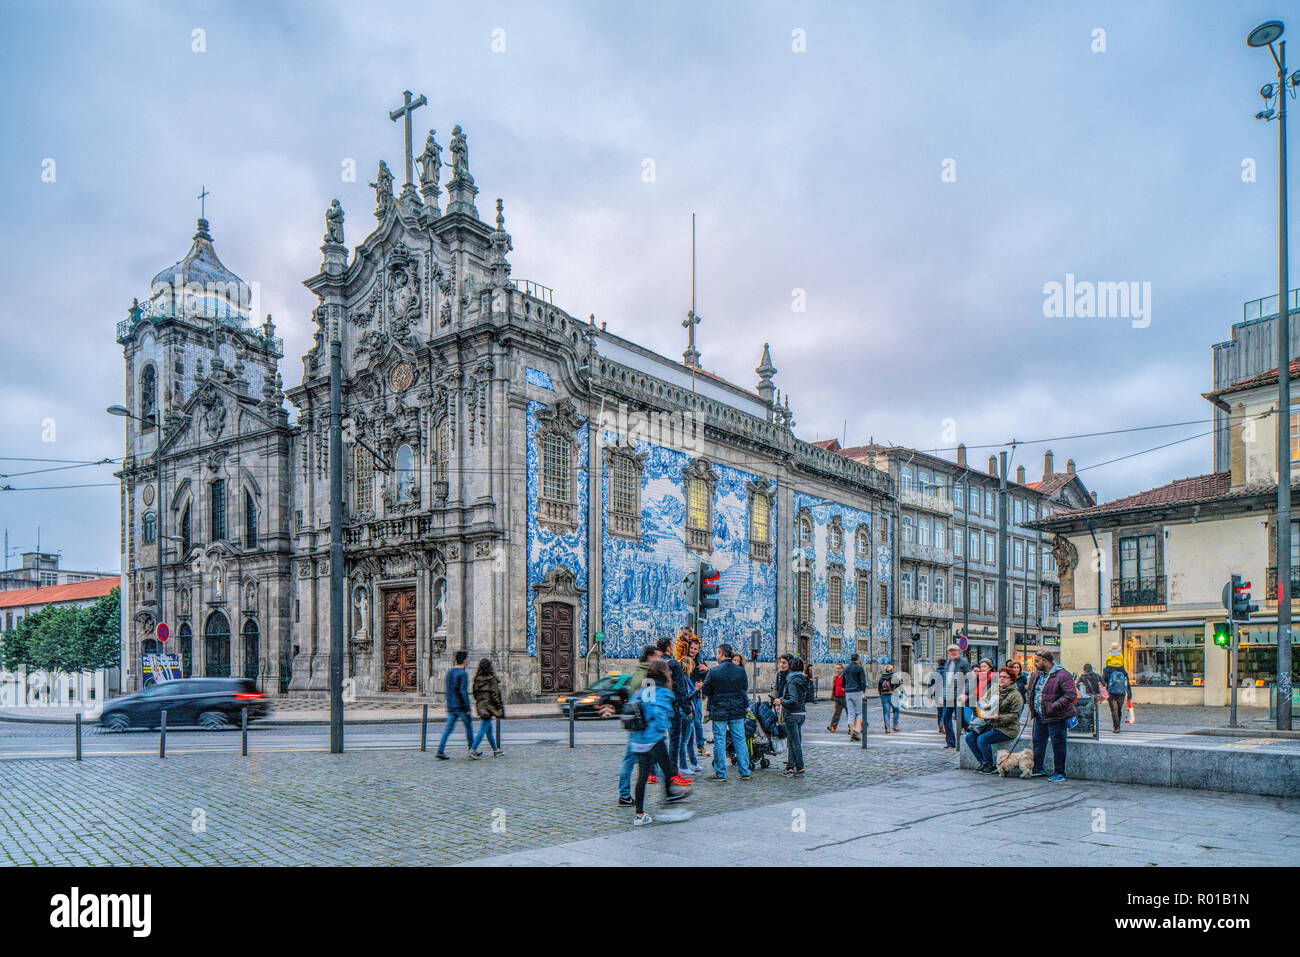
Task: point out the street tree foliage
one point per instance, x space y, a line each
67 639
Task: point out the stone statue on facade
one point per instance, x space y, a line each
383 187
460 158
334 223
430 163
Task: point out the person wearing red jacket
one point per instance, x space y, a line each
837 695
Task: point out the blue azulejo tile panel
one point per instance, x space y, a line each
641 593
538 378
546 549
870 556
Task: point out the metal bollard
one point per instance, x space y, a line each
78 735
572 710
864 726
162 735
243 731
424 728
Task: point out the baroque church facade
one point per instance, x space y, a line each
518 483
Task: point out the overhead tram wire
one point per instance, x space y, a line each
56 468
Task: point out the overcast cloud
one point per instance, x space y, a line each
818 171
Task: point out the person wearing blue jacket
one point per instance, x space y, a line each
649 744
456 688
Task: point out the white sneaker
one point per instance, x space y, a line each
642 819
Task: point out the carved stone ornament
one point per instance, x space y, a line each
1066 555
403 288
366 311
401 376
559 583
214 414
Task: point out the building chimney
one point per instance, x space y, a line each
993 465
1020 474
1069 466
961 455
1094 497
1047 465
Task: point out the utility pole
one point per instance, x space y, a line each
336 540
1002 555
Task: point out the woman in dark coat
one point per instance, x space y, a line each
486 691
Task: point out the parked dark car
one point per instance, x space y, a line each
211 703
609 690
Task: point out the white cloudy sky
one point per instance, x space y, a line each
816 170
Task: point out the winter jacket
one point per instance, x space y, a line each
637 677
683 687
1059 695
1111 669
456 687
797 690
781 677
727 688
838 690
487 696
887 684
657 705
855 678
1001 708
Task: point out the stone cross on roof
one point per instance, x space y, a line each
408 107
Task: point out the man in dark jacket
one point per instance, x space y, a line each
727 688
855 686
951 691
1051 701
456 691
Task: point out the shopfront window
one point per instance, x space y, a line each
1167 657
1257 656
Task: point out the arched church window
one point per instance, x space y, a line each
150 528
405 474
441 450
149 397
185 530
555 468
218 489
363 480
250 520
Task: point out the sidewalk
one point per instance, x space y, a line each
298 713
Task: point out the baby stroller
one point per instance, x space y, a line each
760 725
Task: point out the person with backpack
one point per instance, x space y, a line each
855 686
488 704
837 695
648 655
649 719
456 691
886 687
793 713
1118 687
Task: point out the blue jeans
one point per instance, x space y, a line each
945 722
686 747
981 745
794 741
736 728
674 743
625 772
887 705
485 729
452 718
699 723
1055 730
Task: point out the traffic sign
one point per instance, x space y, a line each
162 631
962 642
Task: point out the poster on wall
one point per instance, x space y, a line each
156 667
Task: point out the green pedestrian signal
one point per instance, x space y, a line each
1222 634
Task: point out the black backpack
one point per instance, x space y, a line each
633 717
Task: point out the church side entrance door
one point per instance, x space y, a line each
555 647
399 640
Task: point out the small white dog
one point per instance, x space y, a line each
1008 762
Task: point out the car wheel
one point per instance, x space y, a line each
115 722
213 721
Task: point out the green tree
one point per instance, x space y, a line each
55 639
18 648
101 638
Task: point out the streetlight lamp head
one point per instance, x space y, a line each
118 410
1265 33
1264 115
1295 78
1266 91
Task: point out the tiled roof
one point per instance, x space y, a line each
831 445
1254 382
76 591
1186 491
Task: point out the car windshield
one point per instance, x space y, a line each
608 683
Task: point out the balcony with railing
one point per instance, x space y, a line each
930 554
389 531
1137 592
925 501
1270 584
913 608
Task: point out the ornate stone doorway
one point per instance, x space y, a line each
399 640
555 647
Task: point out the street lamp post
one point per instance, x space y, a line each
1265 35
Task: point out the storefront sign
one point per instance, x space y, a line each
1080 627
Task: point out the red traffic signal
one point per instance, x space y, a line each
710 579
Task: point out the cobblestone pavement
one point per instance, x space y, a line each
371 807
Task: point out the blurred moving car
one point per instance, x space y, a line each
209 703
610 690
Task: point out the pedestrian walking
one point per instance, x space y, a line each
488 704
951 679
1000 712
727 688
649 743
885 687
793 713
456 691
648 655
855 685
1051 702
837 696
681 689
1119 689
1088 682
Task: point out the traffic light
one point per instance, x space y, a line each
691 592
708 579
1241 606
1222 634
